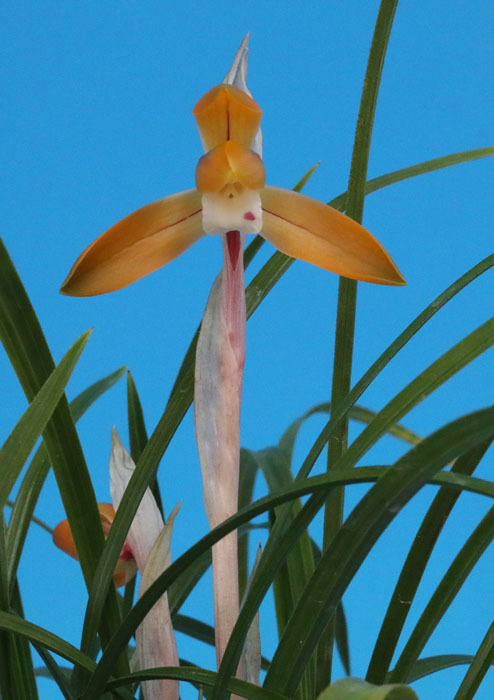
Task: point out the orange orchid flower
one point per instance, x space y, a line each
126 567
230 195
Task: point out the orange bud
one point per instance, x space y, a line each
125 569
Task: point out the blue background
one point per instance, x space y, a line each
96 121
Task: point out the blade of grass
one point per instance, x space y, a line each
38 635
313 485
26 346
32 483
37 521
451 362
444 594
299 566
341 638
23 437
247 478
356 537
201 631
357 413
347 301
427 166
138 435
59 675
198 676
387 356
432 664
414 567
482 660
441 370
180 589
17 681
181 398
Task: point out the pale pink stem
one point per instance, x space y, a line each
218 389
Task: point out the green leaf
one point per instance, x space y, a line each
444 594
432 664
427 166
341 638
483 659
138 436
357 536
357 689
61 676
302 488
347 297
352 397
32 483
299 566
247 479
26 346
83 401
38 635
21 676
181 588
441 370
198 676
357 413
22 439
414 567
422 386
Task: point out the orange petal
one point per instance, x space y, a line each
309 230
226 113
62 535
126 567
137 245
227 164
62 538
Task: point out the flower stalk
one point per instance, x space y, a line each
220 361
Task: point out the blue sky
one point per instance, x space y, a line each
96 113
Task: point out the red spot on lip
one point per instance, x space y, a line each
233 242
249 216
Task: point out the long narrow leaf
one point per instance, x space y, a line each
60 676
32 483
198 676
444 595
390 352
299 566
357 413
482 660
22 439
417 390
26 346
36 634
414 567
309 486
347 298
432 664
357 536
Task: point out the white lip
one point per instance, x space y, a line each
241 211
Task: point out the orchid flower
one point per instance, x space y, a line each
147 549
230 195
230 199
